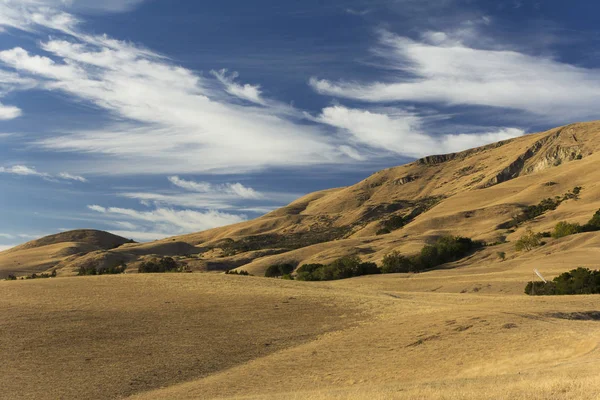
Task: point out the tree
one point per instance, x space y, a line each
528 241
563 229
395 262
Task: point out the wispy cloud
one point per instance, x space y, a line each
247 92
23 170
172 117
168 222
440 68
402 133
236 189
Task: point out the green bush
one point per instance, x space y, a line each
306 272
528 241
161 265
92 270
577 281
501 255
242 272
343 268
275 271
563 229
446 249
395 262
11 277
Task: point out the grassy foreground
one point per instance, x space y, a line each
189 336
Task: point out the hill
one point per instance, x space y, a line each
48 252
474 193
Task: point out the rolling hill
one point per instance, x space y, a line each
474 193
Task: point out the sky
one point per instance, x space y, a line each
153 118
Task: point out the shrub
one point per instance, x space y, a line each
11 277
92 270
275 271
306 271
501 255
395 262
162 265
242 272
577 281
593 224
287 277
528 241
563 229
345 267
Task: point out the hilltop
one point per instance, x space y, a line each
48 252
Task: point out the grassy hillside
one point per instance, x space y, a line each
475 193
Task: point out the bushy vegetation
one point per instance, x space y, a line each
394 223
397 221
345 267
529 241
563 229
92 270
446 249
395 263
577 281
279 270
42 276
11 277
549 204
290 241
234 272
162 265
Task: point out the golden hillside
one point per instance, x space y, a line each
472 193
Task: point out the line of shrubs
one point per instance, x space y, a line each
234 272
12 277
549 204
446 249
577 281
162 265
530 240
92 270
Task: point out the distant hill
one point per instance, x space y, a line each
47 252
474 193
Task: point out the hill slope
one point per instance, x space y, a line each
48 252
473 193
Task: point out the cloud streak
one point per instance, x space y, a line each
23 170
442 69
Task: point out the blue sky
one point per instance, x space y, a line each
155 118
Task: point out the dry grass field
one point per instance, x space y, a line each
207 336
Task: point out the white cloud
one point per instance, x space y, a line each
169 222
67 176
174 120
441 69
9 112
236 189
190 185
97 208
402 133
24 170
247 92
